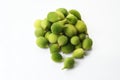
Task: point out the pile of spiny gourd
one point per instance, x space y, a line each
63 31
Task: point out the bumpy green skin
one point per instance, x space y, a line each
45 24
68 63
39 32
78 53
53 38
82 36
75 40
71 19
56 57
63 10
42 42
78 46
68 48
60 14
81 27
56 28
54 48
63 22
62 40
87 43
75 13
47 34
70 30
37 24
53 17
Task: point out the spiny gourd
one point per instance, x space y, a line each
63 31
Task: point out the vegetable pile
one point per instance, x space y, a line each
63 31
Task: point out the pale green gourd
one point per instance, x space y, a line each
78 53
87 43
68 63
42 42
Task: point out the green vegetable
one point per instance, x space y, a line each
56 28
53 17
78 46
71 19
87 43
39 32
82 36
70 30
75 40
81 27
78 53
56 57
63 10
53 38
42 42
54 48
47 34
68 48
75 13
37 24
45 24
62 40
60 14
63 22
68 63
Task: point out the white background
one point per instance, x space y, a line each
21 59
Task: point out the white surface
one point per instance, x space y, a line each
21 59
